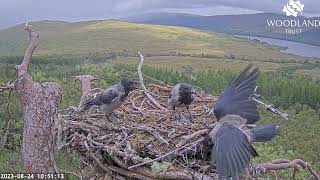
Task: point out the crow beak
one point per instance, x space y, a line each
136 85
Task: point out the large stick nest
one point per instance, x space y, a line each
145 140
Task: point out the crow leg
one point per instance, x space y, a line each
115 115
108 117
189 113
178 115
174 112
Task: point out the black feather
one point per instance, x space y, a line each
263 133
87 105
105 97
232 151
235 99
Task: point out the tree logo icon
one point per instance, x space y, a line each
293 8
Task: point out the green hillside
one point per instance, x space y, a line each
58 37
105 49
245 24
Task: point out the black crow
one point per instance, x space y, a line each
232 150
113 97
181 95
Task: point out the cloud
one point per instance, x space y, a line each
18 11
274 6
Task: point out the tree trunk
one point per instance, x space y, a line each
39 104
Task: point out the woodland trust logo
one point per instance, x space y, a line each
293 25
292 8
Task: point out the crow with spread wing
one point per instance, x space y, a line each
113 97
232 150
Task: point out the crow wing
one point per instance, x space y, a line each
174 96
232 152
105 97
235 99
108 96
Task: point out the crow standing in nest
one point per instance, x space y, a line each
181 95
232 150
113 97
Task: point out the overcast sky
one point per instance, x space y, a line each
18 11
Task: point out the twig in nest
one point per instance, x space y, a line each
110 169
155 102
136 107
155 134
165 155
189 137
140 73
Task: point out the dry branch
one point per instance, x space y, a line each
286 164
86 81
153 132
269 107
143 86
167 154
140 73
33 42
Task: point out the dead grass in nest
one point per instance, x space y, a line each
145 135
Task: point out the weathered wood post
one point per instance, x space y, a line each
39 104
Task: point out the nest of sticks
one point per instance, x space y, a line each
144 141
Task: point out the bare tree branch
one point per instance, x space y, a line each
140 73
85 83
155 102
269 107
33 42
285 164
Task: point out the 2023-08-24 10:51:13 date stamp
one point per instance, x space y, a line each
31 176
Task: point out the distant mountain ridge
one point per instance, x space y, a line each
244 24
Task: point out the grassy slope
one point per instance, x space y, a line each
200 64
115 36
246 24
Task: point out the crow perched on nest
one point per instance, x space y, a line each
232 150
181 95
113 97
